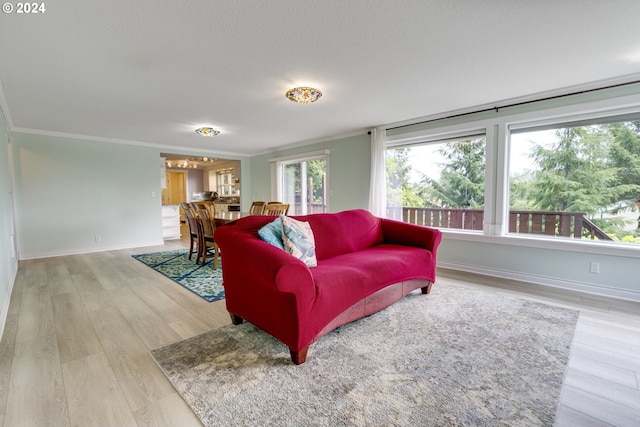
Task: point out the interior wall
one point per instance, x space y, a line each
195 182
76 196
348 176
8 260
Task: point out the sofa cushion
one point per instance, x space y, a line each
343 280
298 240
343 232
272 233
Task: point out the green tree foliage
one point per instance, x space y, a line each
316 172
625 155
519 188
461 182
398 168
573 173
577 174
593 169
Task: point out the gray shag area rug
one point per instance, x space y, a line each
456 357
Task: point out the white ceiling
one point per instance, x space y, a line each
151 72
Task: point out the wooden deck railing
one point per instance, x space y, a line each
566 224
312 208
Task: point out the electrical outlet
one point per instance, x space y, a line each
594 268
98 238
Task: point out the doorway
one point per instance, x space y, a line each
176 190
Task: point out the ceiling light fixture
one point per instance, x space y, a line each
204 131
303 95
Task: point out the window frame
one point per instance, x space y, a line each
278 164
446 135
224 188
498 142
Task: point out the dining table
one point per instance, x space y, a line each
223 217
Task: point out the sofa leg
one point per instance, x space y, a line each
235 319
427 289
300 356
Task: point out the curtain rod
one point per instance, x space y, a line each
516 104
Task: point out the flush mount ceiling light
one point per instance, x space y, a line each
303 95
204 131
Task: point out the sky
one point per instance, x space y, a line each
426 160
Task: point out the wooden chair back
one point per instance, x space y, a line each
257 208
208 226
194 230
276 209
207 221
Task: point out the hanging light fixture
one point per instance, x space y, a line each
206 131
303 95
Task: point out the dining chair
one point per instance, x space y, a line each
208 227
257 208
198 205
276 209
194 246
270 203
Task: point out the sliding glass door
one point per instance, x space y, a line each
303 186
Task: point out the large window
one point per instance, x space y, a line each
302 182
553 177
578 180
439 183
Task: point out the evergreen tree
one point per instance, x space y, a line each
575 174
316 172
398 168
461 183
625 156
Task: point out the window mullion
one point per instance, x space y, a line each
500 198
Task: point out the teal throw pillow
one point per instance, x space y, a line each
272 233
299 240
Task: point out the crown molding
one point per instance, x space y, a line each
161 147
311 142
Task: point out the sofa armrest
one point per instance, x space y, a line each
402 233
250 263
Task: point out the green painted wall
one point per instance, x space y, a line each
563 268
68 191
348 177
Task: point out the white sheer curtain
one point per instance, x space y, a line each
378 184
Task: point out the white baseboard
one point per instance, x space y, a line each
36 255
544 281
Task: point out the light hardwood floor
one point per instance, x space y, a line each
75 348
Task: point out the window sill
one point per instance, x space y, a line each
628 250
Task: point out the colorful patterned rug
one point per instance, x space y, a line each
200 279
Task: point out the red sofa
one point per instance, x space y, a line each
365 264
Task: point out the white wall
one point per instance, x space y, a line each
68 191
8 261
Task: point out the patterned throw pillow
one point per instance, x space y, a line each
272 233
298 240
